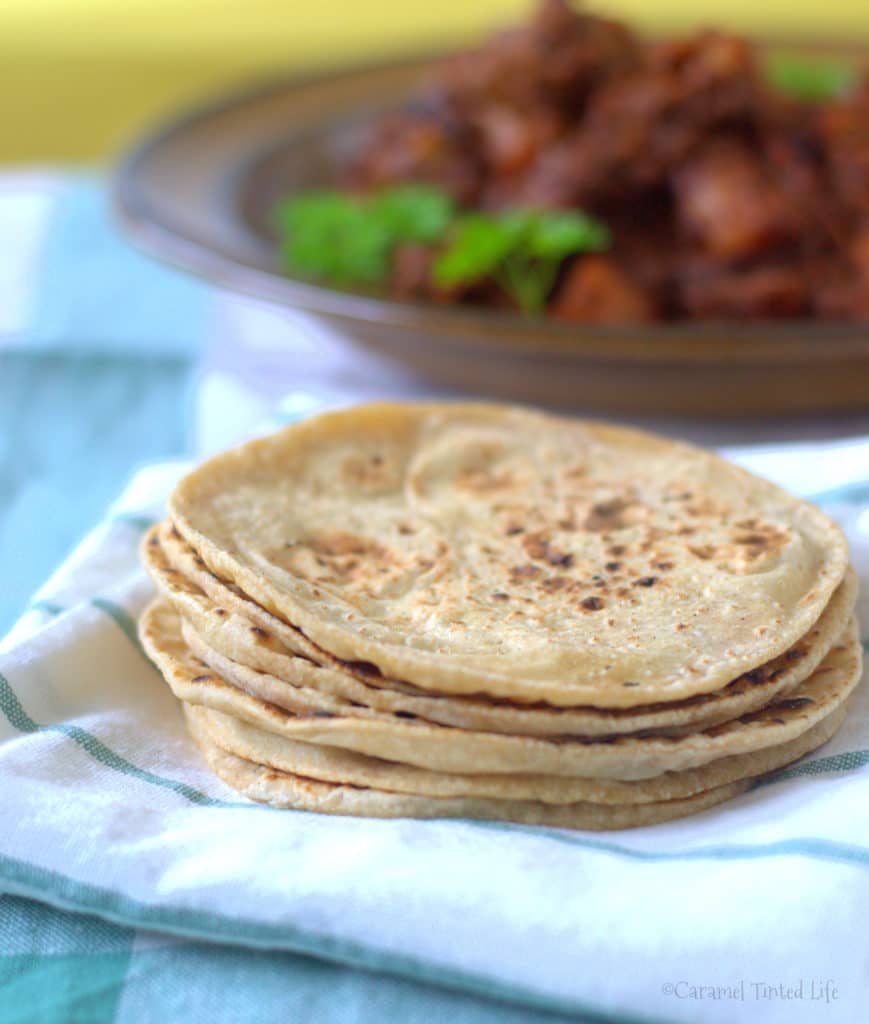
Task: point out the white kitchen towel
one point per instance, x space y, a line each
753 910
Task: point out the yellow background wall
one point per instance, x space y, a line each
79 78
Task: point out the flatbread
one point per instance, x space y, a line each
281 789
442 748
226 630
329 764
490 549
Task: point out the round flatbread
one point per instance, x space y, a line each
441 748
281 789
329 764
490 549
245 643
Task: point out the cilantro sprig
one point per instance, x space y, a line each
522 250
348 239
808 78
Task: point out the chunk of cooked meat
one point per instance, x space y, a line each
511 140
427 145
844 133
638 128
553 60
729 206
596 291
841 289
759 292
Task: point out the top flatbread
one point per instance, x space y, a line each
222 621
478 548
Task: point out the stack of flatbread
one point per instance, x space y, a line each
481 611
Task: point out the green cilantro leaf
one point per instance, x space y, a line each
557 235
331 235
520 249
415 213
478 245
811 79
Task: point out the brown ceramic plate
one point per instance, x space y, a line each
197 194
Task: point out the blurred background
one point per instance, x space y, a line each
80 78
108 359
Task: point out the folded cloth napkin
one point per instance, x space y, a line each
754 909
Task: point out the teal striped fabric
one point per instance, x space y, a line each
58 967
100 964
